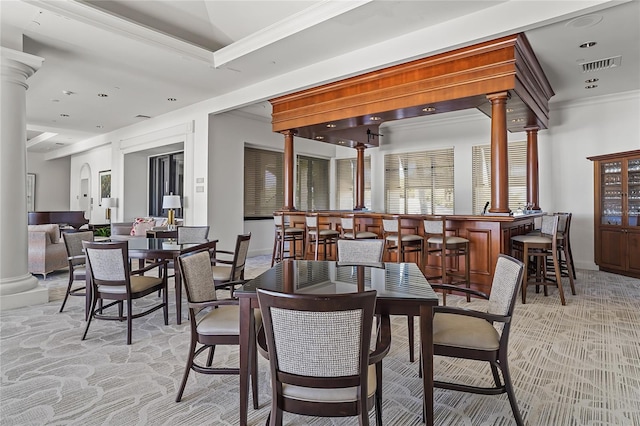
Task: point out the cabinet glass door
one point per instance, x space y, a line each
633 191
611 193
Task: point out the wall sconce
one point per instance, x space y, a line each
171 202
108 204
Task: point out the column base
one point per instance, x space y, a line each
36 295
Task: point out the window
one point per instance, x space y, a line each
263 182
419 182
346 182
166 176
481 175
312 192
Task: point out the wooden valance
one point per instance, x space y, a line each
341 112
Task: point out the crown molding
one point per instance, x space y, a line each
615 97
83 12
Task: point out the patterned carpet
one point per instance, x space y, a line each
572 365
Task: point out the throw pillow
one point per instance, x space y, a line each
141 225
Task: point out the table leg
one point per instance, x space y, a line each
245 333
426 348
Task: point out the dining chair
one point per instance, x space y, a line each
364 251
111 278
192 234
230 269
77 266
481 336
213 321
318 347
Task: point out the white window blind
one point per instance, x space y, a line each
312 192
481 175
346 169
419 182
263 182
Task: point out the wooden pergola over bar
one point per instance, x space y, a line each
502 78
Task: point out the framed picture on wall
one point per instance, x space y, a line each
31 192
104 180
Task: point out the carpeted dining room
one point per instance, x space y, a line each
570 365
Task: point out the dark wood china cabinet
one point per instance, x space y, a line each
617 212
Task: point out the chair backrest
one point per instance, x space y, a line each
108 263
434 225
360 251
563 222
240 256
390 224
347 224
192 234
278 220
318 340
311 220
197 277
549 225
504 287
73 243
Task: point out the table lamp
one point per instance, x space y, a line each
171 202
108 203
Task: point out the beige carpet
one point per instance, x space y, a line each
572 365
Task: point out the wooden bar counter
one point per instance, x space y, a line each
488 236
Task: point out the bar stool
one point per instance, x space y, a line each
316 236
350 229
539 247
440 245
286 234
564 249
399 243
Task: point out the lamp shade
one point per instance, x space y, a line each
171 202
108 202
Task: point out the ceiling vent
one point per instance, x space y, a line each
601 64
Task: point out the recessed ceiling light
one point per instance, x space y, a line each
64 115
319 138
99 126
68 92
341 142
55 100
171 99
591 86
509 109
517 120
103 95
142 116
592 80
428 109
60 143
588 44
331 125
375 118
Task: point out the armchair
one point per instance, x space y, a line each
46 252
229 267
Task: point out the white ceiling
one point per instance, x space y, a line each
141 53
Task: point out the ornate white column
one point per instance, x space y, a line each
17 286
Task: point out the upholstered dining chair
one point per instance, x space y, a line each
77 266
213 321
192 234
481 336
230 269
360 251
111 278
318 348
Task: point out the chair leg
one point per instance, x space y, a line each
378 402
66 296
192 352
570 270
91 312
275 246
525 281
129 320
165 303
556 267
504 366
253 373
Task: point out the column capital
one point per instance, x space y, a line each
18 66
498 95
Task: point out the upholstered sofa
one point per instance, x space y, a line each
47 252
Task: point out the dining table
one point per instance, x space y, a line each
163 249
402 289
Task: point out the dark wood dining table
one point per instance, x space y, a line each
401 289
164 249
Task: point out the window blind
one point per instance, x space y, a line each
346 169
481 175
419 182
263 182
312 189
